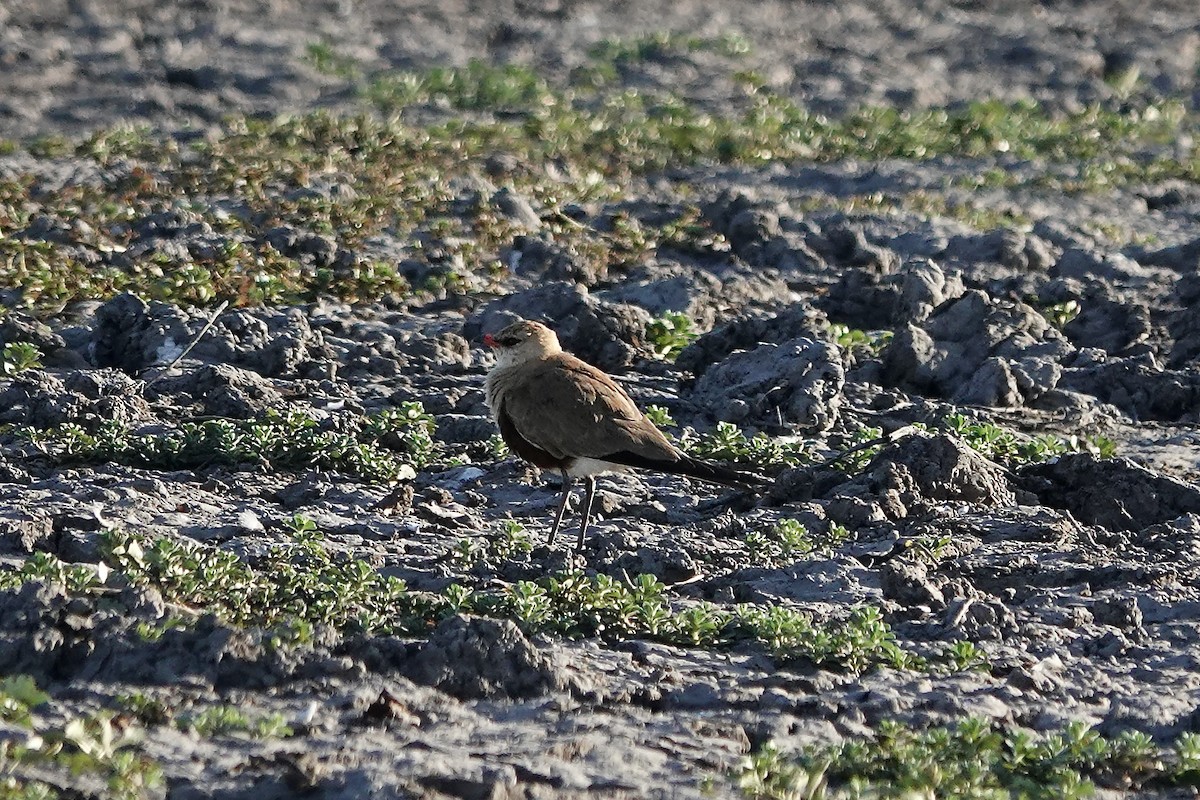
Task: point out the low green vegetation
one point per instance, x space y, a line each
222 720
576 605
660 416
292 588
972 760
789 540
859 344
325 59
18 357
669 334
864 444
727 442
511 541
1101 445
965 655
383 447
665 44
148 710
928 548
1004 446
34 752
1059 314
589 136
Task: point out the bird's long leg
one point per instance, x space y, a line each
562 507
590 480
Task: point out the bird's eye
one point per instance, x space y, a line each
508 341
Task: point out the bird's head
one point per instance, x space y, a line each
522 341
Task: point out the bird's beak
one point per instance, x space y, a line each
490 341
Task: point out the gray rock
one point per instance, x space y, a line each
23 531
605 335
918 473
132 335
1007 247
88 398
541 259
472 657
1114 493
1120 612
992 384
1077 263
1137 386
1107 324
224 391
798 382
923 287
967 349
908 583
746 332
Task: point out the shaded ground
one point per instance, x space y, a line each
1012 305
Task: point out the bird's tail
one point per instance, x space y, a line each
694 468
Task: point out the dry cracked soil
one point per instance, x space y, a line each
202 549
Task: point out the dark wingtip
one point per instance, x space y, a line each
707 471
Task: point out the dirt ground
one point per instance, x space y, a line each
1078 576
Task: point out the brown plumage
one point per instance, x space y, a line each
558 412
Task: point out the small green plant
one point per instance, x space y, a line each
48 569
153 631
837 534
1187 759
669 334
512 540
662 44
326 60
997 444
859 344
1102 446
1059 314
496 448
965 655
929 548
94 745
865 443
149 710
972 759
304 530
478 86
384 447
19 695
861 640
787 540
660 416
766 774
727 442
226 719
466 552
18 357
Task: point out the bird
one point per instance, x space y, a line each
558 412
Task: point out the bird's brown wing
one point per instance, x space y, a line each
570 409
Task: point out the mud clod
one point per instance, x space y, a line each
471 657
797 382
1115 494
